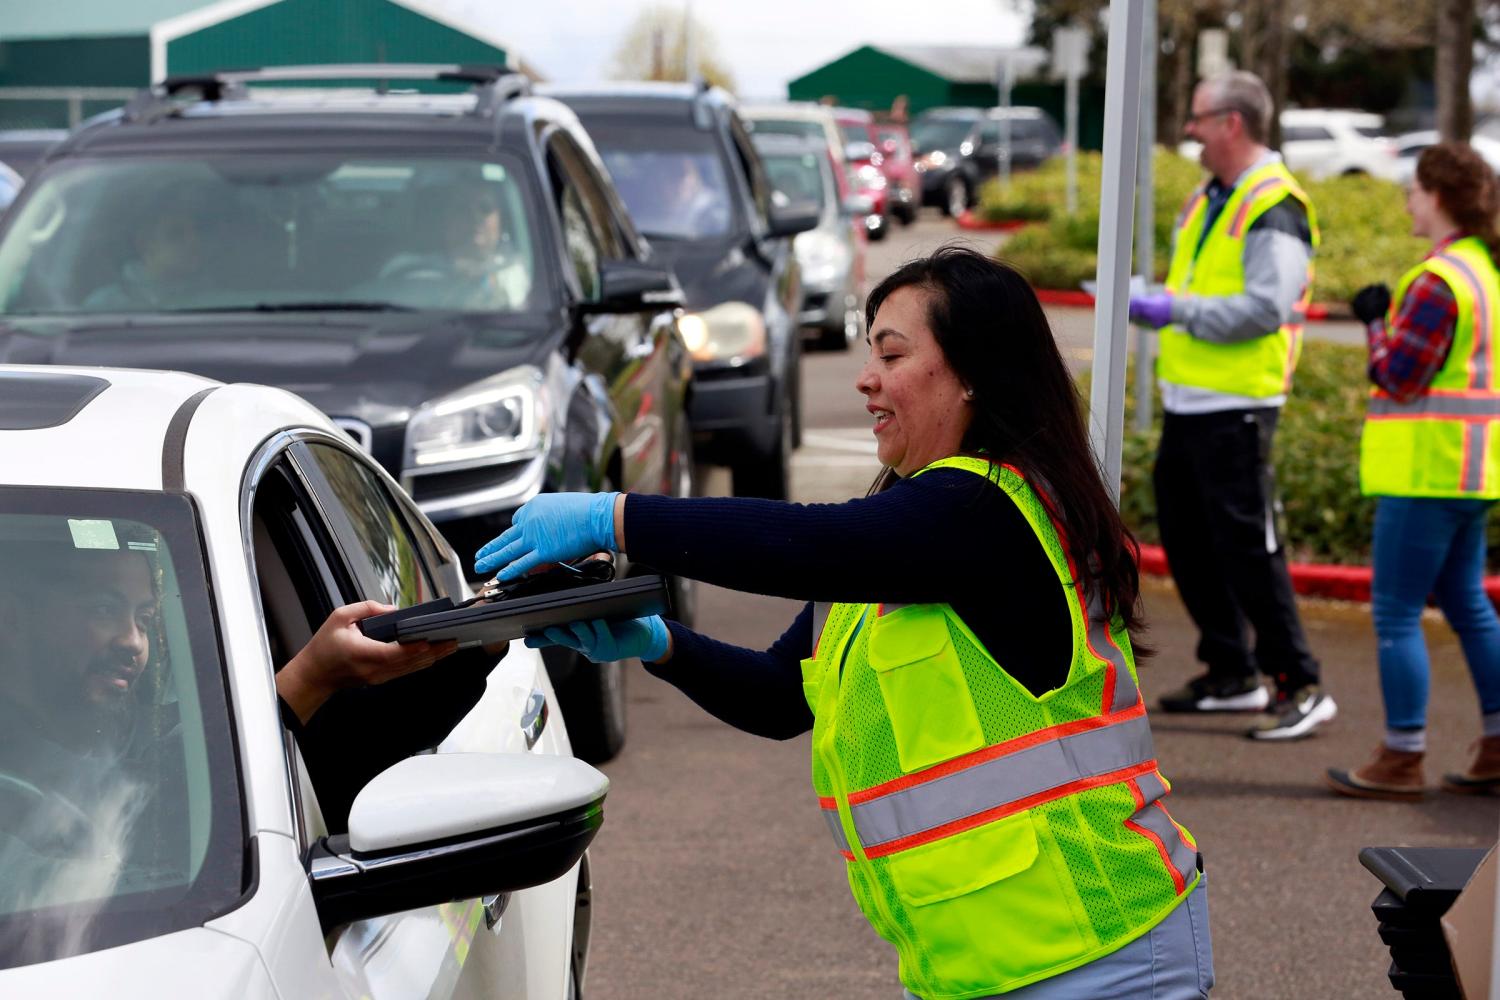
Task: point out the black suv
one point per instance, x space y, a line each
450 276
957 149
684 164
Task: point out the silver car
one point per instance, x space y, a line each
831 256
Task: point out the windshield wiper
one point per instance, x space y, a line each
281 307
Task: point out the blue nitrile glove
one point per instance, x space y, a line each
603 642
1154 311
553 527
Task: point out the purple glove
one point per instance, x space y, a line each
1154 311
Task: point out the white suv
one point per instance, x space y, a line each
1323 142
161 831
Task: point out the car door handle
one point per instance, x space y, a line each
534 718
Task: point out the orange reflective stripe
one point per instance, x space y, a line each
985 785
1237 229
1152 821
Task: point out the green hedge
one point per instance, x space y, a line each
1363 221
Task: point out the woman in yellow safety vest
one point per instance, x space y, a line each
980 749
1430 453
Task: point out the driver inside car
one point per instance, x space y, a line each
90 742
164 270
474 268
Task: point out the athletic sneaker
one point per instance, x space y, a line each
1206 693
1295 715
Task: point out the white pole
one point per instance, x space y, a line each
1145 215
1006 82
1070 134
1122 111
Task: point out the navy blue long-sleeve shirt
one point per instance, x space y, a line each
946 536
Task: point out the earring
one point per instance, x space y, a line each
968 394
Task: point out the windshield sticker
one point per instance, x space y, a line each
92 534
494 172
141 546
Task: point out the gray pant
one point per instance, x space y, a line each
1172 961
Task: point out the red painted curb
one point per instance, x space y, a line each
969 220
1070 297
1345 583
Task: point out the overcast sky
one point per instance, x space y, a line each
765 42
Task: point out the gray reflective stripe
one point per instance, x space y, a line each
821 612
1476 443
1151 786
831 817
995 783
1153 817
1480 373
1437 406
1103 644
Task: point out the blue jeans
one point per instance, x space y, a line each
1172 961
1424 546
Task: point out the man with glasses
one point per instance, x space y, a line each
1230 323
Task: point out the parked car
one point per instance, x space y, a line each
830 257
1410 146
796 118
898 183
1323 142
959 148
683 161
451 277
172 843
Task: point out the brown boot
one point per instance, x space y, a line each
1390 774
1483 774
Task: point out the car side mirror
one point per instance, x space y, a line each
444 827
792 219
858 205
630 286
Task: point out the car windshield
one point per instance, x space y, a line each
939 133
855 131
120 816
673 180
796 175
787 126
254 232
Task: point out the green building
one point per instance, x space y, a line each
62 59
931 76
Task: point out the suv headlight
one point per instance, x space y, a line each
502 418
730 331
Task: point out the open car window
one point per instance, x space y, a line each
120 815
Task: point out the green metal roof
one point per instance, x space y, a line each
75 18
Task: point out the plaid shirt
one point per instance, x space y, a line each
1405 358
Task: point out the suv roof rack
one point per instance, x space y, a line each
495 84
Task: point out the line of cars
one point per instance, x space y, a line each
481 294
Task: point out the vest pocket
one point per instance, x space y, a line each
812 672
986 906
922 684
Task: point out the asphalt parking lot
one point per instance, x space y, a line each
714 876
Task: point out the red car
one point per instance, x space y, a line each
880 158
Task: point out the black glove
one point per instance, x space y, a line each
1370 303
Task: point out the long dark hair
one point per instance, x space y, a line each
1027 409
1466 189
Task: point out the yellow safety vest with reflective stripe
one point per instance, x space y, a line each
1444 442
994 837
1262 366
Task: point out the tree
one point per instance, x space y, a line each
1455 64
655 47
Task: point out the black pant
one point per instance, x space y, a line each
1216 504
